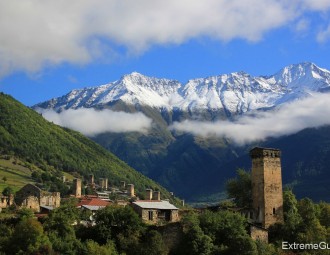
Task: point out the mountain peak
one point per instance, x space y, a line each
133 74
301 75
235 93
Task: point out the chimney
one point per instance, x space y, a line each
156 195
77 187
130 190
122 184
148 194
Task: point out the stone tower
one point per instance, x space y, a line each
267 196
77 187
131 191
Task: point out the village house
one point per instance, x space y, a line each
32 197
153 210
92 203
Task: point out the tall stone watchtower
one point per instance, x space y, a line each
77 187
267 195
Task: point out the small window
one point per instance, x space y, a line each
274 211
151 215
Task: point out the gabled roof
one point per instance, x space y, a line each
155 204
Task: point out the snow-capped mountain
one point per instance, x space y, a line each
184 163
235 93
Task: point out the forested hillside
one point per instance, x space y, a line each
53 149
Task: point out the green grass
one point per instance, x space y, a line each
16 174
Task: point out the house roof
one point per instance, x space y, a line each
155 204
92 207
47 207
93 202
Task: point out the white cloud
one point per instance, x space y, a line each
317 5
324 35
35 33
91 122
289 119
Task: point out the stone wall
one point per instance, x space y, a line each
31 202
32 197
259 234
50 199
267 194
175 216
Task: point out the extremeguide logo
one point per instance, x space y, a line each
305 246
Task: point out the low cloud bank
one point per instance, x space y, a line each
287 119
91 122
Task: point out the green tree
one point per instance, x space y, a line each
112 220
195 241
5 237
94 248
311 229
227 230
324 214
266 249
152 244
8 191
240 188
292 218
29 238
25 213
59 227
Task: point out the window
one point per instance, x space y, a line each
274 211
151 215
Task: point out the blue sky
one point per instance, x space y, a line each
48 48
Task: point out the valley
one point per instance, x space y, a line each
193 166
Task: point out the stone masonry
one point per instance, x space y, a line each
267 195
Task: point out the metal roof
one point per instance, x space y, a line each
149 204
93 207
47 207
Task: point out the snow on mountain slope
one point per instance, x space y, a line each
236 93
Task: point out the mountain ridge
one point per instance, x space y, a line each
192 166
235 93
